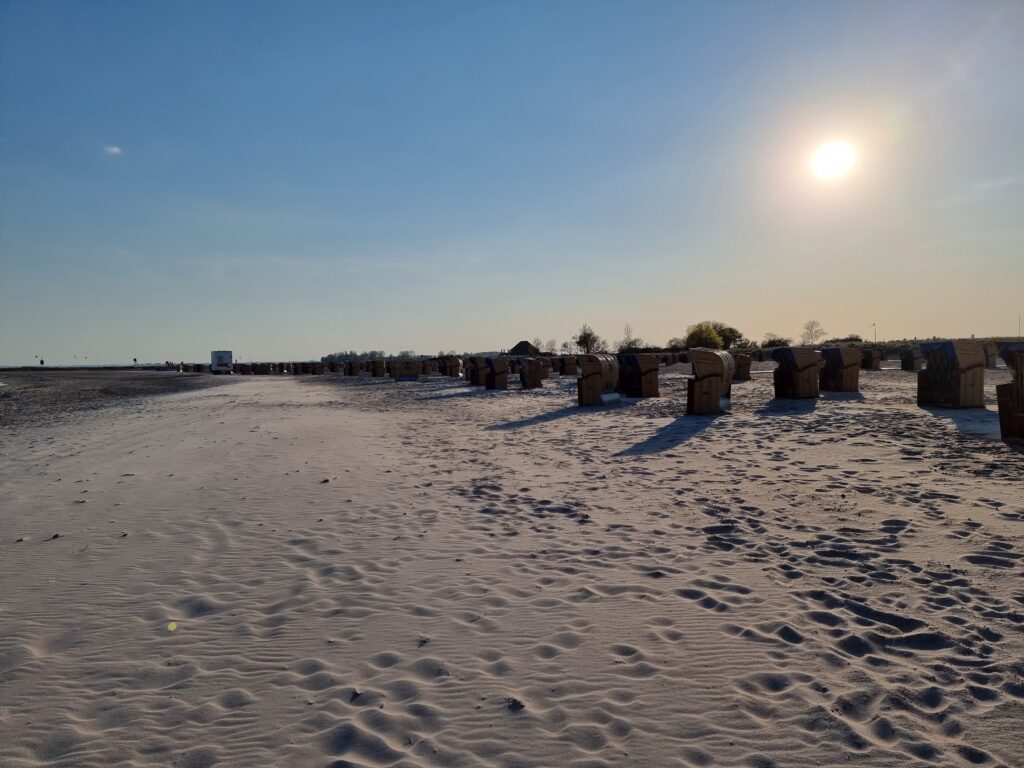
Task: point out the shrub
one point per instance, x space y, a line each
703 335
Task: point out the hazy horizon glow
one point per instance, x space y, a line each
289 180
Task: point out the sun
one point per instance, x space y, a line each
833 160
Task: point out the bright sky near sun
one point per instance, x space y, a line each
291 179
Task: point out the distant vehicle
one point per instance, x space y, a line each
221 362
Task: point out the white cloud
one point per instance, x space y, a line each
113 150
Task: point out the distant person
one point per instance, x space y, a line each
41 361
135 361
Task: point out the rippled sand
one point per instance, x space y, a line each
335 572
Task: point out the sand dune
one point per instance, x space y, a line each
362 573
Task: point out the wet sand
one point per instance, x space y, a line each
40 396
322 571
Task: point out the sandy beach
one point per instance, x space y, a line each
325 571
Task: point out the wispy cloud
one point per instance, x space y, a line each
113 149
980 191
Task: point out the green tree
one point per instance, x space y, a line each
731 337
774 340
588 341
703 334
676 344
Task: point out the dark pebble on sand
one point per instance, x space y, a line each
514 705
55 536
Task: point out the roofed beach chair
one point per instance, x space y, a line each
797 374
599 379
1010 396
497 373
742 369
530 373
955 376
638 374
713 370
841 372
911 359
406 370
871 360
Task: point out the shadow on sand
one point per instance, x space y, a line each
670 435
459 393
977 422
788 407
541 418
851 397
556 415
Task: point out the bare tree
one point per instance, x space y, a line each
629 341
551 346
813 333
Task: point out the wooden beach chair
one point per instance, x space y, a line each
638 374
496 373
530 373
713 370
797 374
911 359
406 370
742 367
954 376
991 350
871 360
841 371
599 379
1010 396
545 367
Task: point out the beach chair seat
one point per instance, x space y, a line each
1010 396
713 371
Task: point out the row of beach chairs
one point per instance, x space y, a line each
949 374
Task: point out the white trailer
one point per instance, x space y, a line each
221 362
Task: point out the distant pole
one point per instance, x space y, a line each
875 326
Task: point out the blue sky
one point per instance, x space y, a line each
291 179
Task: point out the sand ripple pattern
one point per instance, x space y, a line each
368 574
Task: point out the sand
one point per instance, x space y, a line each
421 574
36 396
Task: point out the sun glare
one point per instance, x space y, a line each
833 160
